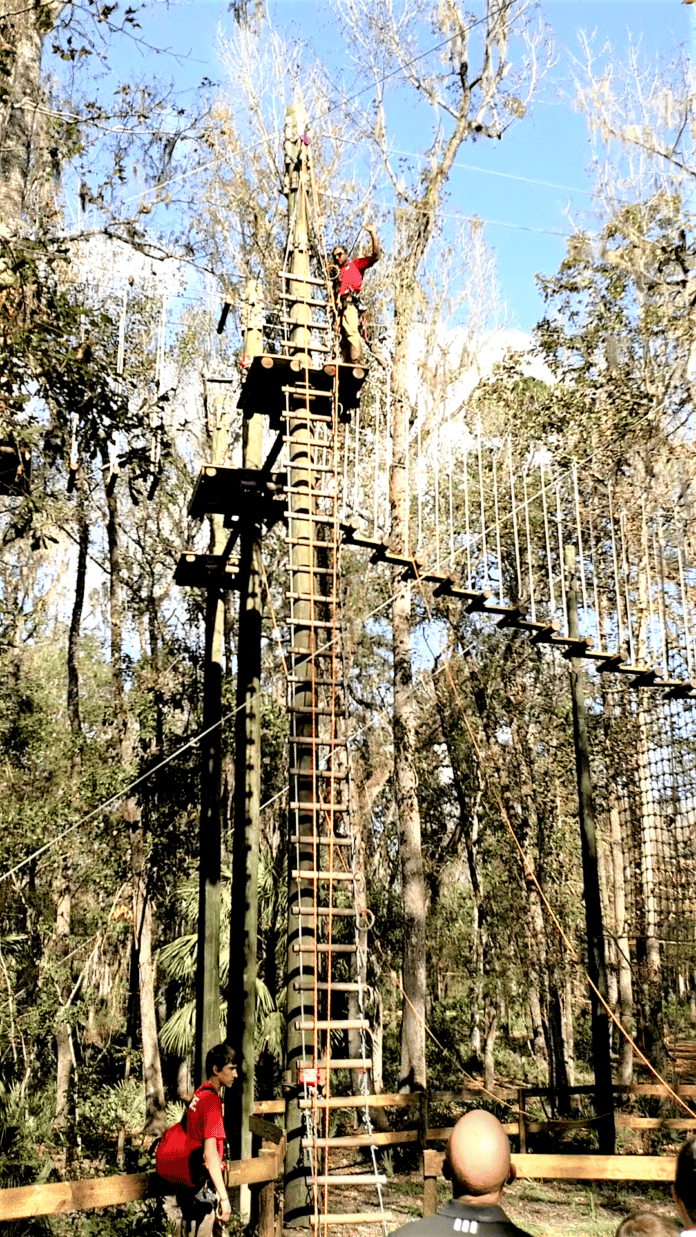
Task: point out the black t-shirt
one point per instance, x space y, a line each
455 1217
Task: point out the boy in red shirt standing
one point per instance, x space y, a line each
192 1152
348 282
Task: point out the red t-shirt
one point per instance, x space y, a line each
349 277
204 1118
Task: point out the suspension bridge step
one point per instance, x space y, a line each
352 1217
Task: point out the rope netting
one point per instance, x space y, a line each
644 770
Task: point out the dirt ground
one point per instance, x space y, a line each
544 1209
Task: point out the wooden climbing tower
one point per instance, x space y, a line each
295 378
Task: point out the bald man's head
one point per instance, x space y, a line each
477 1158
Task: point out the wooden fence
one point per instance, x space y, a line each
263 1170
21 1202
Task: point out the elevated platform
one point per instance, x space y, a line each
201 570
268 374
231 492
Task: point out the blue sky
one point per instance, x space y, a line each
530 188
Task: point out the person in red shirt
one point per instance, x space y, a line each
348 282
193 1155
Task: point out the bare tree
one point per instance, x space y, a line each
473 88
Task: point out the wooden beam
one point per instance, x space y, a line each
266 1129
577 1167
46 1200
57 1198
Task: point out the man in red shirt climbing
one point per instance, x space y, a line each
348 282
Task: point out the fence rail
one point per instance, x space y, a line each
22 1202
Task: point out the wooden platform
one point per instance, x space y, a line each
199 570
268 374
233 492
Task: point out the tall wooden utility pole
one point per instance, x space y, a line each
300 961
208 955
604 1095
241 992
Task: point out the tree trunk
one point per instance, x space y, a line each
623 953
155 1114
76 620
20 39
63 1046
155 1117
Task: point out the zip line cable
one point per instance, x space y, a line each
143 777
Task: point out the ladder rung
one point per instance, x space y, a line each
318 571
312 325
338 1101
376 1139
312 682
309 741
352 1217
326 805
308 623
308 393
313 545
320 839
329 1024
311 466
306 985
305 654
339 1063
324 949
325 775
347 1179
320 598
313 874
323 910
320 283
289 296
309 710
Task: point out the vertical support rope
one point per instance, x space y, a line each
529 547
547 539
518 563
